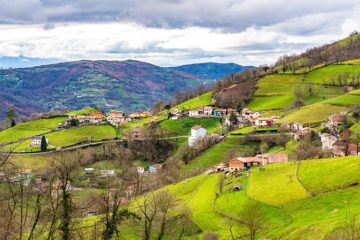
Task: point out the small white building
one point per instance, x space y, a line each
327 141
155 168
107 173
208 110
196 112
140 170
89 170
264 122
36 140
197 133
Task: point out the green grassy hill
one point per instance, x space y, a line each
200 101
305 207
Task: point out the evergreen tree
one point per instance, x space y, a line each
10 117
43 144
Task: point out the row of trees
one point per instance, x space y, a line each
327 54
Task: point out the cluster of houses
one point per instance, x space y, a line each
245 163
245 118
153 169
115 118
332 141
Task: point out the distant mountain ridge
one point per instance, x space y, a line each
211 70
128 85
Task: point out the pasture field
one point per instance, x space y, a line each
323 75
344 100
29 129
270 103
278 84
277 185
329 174
353 61
312 114
200 101
219 152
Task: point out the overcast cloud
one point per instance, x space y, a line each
172 32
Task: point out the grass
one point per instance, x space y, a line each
314 113
355 127
328 174
83 111
218 153
243 131
278 84
200 101
323 75
270 103
71 136
182 126
353 61
355 92
265 186
344 100
29 129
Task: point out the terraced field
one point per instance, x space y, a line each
324 75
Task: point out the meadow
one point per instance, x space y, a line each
29 129
200 101
182 127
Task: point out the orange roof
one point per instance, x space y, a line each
97 115
236 163
196 127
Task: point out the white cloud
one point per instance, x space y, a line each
170 32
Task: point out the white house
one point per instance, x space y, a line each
154 168
327 141
208 110
89 170
107 173
264 122
36 140
197 133
196 112
115 117
140 170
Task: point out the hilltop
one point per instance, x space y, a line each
129 85
211 70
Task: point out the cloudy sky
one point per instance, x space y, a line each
169 32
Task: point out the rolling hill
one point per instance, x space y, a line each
128 85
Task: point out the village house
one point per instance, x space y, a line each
272 158
83 119
134 115
136 133
196 112
140 170
154 168
343 148
208 110
219 168
96 117
175 114
303 133
337 119
36 140
145 114
294 127
197 133
248 114
115 118
235 165
89 170
220 112
327 141
107 173
264 122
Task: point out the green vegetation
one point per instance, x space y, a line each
344 100
328 174
270 103
266 185
355 92
218 153
323 75
278 84
312 114
182 127
200 101
83 111
243 131
29 129
353 61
